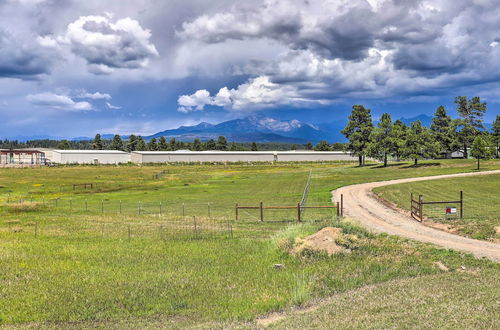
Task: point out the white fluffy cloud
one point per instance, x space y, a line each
259 92
93 96
107 45
58 102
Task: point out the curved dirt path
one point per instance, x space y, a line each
361 204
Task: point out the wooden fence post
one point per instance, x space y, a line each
261 211
338 210
461 204
341 205
208 205
298 212
160 209
236 211
421 207
183 210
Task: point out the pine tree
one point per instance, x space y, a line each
63 145
496 135
419 143
172 144
358 131
221 143
210 145
162 145
152 145
132 143
197 145
382 144
322 146
309 146
254 147
97 144
471 111
480 149
117 143
141 145
443 131
398 135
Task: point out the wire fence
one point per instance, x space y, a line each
193 228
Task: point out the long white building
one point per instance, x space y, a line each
89 157
145 157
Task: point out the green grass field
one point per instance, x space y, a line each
82 263
481 198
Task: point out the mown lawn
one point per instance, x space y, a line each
95 267
481 202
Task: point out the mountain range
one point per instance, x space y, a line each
253 128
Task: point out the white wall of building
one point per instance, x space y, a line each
144 157
89 157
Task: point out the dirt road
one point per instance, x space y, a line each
361 204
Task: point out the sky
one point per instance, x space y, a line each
76 68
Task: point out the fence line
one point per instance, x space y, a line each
417 206
306 193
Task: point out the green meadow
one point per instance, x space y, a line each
144 249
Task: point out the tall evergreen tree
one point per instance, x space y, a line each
210 145
141 145
172 144
398 135
358 132
309 146
419 143
496 135
443 131
162 144
97 144
382 144
222 143
117 143
63 145
197 145
132 143
480 149
254 146
322 146
153 145
471 112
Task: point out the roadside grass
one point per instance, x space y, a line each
481 203
66 267
457 299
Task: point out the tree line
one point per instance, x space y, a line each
443 137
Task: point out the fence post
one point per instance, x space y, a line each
36 229
86 206
120 207
420 207
71 204
461 204
208 205
236 211
298 212
129 232
338 210
102 206
160 209
261 211
341 205
195 227
183 210
411 202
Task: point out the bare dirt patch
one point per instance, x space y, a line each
322 241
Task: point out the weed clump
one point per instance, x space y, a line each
22 207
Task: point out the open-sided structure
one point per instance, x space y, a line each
20 157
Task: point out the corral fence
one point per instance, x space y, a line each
339 208
450 209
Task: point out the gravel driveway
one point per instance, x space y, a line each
360 204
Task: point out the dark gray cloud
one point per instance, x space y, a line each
18 60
